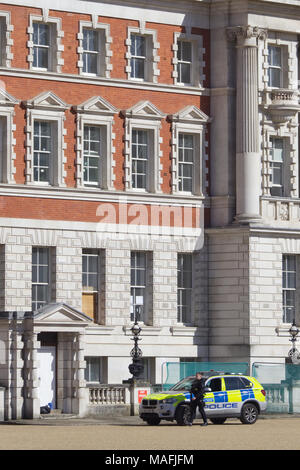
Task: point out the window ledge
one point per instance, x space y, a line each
188 330
146 330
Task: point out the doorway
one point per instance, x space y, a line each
47 370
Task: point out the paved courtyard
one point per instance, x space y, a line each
130 433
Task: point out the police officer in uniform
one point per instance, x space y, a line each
197 389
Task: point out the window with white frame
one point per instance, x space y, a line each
279 167
142 54
5 39
90 282
189 151
91 51
275 66
188 63
2 41
95 149
186 148
184 287
42 46
94 48
139 158
184 66
43 152
41 277
148 373
3 146
138 57
289 287
94 371
45 43
92 142
142 149
45 140
7 141
138 285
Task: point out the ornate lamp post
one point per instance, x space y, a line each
136 368
293 331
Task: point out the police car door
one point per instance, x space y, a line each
233 388
215 400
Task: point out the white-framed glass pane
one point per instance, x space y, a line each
40 277
275 66
90 40
138 275
93 370
289 286
91 155
277 166
274 56
184 56
184 287
186 162
90 271
138 56
139 157
91 49
42 155
41 45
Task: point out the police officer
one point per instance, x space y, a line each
197 389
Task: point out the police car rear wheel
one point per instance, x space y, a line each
218 420
249 413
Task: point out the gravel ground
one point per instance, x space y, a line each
130 433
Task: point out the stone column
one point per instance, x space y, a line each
248 159
79 396
32 402
17 363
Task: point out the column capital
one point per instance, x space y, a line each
246 35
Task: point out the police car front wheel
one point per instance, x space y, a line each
249 413
153 421
183 415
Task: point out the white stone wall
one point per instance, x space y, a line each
266 251
163 337
228 263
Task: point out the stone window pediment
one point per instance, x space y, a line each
96 113
144 109
60 313
96 105
47 100
189 122
146 118
46 107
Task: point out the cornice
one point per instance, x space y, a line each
87 195
157 11
107 82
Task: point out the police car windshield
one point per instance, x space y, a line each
184 384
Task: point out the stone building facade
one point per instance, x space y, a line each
149 158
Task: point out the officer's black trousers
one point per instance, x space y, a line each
200 403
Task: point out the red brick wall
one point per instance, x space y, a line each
74 94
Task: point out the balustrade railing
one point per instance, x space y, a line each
107 395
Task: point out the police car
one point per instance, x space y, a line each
226 396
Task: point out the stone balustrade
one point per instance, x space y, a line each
108 395
285 211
